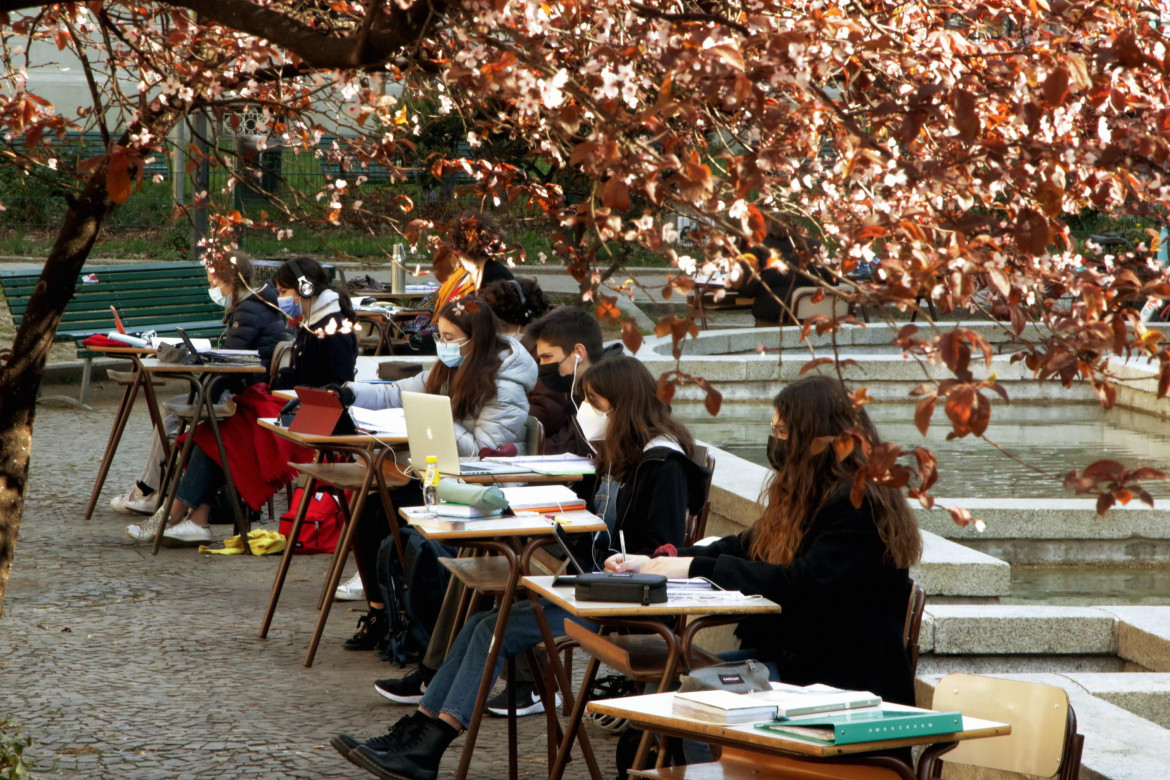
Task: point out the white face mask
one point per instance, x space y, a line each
218 297
593 423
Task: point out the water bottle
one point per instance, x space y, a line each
431 483
398 279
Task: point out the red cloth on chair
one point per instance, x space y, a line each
257 457
98 340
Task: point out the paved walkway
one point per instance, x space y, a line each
123 665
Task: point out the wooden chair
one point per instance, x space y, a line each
533 436
1044 741
914 609
804 306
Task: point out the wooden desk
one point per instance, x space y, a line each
501 535
202 378
358 477
654 712
704 608
129 396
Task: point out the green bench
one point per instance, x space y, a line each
157 297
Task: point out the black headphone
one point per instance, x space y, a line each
304 286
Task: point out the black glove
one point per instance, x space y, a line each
345 394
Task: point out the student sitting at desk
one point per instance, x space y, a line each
838 571
252 322
325 351
487 377
568 342
651 483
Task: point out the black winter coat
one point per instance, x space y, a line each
320 360
844 606
253 324
655 498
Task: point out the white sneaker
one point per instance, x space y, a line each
187 532
146 505
350 590
122 503
145 531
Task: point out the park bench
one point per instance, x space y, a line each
157 297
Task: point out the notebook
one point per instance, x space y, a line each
430 431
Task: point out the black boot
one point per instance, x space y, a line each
416 758
399 733
372 628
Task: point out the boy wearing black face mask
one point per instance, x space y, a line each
568 341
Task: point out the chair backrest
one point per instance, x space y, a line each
696 525
1043 741
803 305
281 358
914 608
534 436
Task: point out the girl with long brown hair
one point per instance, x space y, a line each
838 570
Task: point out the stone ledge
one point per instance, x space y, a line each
1048 518
1143 636
1145 695
1119 745
962 629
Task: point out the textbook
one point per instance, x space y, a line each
463 511
867 726
561 464
542 498
782 702
722 707
795 700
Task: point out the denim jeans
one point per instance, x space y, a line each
203 476
456 684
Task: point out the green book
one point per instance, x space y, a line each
866 726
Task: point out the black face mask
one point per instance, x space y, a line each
777 452
550 374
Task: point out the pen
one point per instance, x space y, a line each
622 539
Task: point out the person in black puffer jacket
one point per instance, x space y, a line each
252 321
326 348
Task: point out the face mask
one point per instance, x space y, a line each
290 306
593 423
550 374
218 297
777 452
449 354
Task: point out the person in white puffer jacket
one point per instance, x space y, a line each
488 378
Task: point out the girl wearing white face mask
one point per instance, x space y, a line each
250 323
487 378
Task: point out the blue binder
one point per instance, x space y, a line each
866 726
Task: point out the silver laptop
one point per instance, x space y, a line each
430 431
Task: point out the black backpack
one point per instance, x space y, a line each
413 597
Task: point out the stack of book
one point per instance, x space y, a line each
783 701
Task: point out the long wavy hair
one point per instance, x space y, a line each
637 414
809 408
473 383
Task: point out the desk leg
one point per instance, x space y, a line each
557 770
128 398
243 524
286 559
345 544
485 682
173 479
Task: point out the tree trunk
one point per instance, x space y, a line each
20 379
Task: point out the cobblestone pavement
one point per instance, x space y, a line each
123 665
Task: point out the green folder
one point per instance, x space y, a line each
848 728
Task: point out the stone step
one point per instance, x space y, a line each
994 629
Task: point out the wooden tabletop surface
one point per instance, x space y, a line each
655 712
690 603
524 524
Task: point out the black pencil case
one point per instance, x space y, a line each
625 588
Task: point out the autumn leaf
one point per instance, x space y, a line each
119 184
631 336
